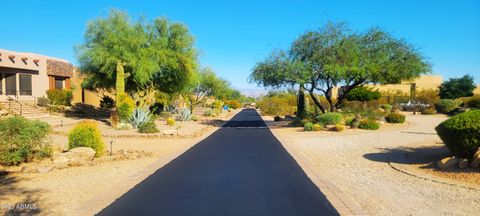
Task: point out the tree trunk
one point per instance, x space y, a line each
328 96
120 80
301 103
315 100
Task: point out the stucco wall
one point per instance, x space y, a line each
92 98
40 81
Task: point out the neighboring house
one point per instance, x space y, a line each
477 90
26 76
406 87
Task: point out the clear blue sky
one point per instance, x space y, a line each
232 36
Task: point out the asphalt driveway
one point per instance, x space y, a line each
241 169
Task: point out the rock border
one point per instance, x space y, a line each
428 177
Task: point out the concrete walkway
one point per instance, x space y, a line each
241 169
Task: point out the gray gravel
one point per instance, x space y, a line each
356 163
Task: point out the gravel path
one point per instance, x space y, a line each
356 162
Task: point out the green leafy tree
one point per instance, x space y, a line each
335 56
457 87
114 50
134 56
204 84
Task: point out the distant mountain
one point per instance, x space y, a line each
252 92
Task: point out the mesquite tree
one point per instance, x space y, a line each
126 55
337 57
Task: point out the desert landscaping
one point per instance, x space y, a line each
391 171
62 190
239 108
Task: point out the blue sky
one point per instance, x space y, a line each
233 35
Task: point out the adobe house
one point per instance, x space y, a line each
421 83
26 76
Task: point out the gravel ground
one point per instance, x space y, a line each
60 192
356 162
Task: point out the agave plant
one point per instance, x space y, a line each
139 117
184 114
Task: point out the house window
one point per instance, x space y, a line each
10 84
25 84
59 83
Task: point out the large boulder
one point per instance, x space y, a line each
447 162
60 161
463 163
79 156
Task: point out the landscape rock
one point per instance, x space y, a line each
60 161
447 162
44 169
277 119
356 121
476 160
169 132
28 169
289 118
79 156
463 163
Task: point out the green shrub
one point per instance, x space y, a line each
332 118
278 104
363 94
148 127
387 108
165 114
22 140
170 121
339 127
317 127
194 118
428 111
395 118
474 102
217 105
43 101
348 119
107 103
207 112
125 107
60 96
368 125
234 104
86 134
461 133
446 105
308 126
368 113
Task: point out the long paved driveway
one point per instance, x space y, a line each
241 169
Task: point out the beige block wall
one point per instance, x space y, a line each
477 90
92 98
